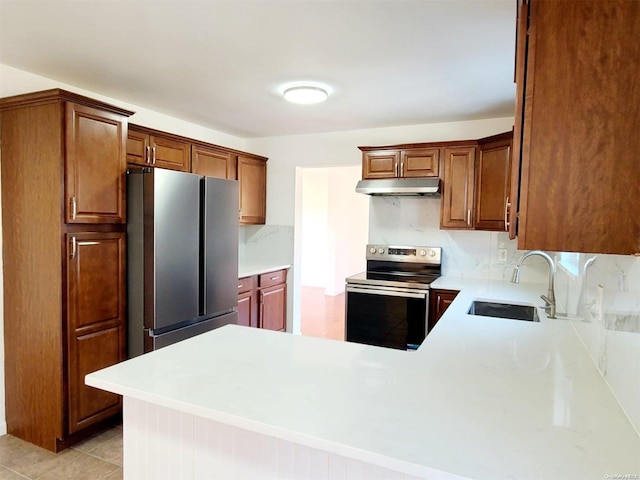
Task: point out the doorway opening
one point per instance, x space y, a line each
332 228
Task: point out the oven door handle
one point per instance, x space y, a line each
388 293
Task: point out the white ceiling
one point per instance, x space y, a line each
220 64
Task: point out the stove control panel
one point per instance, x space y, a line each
404 254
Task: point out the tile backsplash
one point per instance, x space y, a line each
475 254
605 296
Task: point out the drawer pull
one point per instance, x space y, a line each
240 286
273 278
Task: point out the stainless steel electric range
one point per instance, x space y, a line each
388 305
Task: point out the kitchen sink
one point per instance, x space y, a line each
504 310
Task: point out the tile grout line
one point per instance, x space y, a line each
17 473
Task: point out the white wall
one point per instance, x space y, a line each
334 227
314 261
15 82
348 227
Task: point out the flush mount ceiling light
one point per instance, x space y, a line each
305 95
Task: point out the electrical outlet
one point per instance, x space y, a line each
503 255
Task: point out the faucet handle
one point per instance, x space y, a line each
547 300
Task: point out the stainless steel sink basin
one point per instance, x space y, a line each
504 310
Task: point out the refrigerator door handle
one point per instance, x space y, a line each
203 248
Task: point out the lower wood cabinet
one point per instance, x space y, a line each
439 301
262 300
247 301
96 321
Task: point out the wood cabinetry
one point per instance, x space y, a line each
272 299
94 164
63 269
492 183
262 300
154 149
475 176
577 123
248 301
212 162
400 163
458 183
96 320
252 178
439 301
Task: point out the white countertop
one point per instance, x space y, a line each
248 269
482 398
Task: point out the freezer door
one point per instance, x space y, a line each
175 336
173 211
220 243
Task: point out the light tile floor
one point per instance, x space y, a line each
98 457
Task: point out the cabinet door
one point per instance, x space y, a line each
273 307
245 309
96 321
420 162
252 178
492 185
170 154
211 162
457 194
439 301
380 164
522 25
95 165
580 170
138 148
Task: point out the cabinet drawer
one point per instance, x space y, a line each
273 278
246 284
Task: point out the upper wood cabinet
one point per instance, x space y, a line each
577 126
492 190
400 163
420 162
252 178
154 149
95 162
458 188
212 162
380 164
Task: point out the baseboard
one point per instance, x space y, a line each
3 428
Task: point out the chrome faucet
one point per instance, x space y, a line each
550 297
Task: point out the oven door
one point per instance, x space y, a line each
386 316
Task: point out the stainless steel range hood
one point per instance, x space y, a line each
400 187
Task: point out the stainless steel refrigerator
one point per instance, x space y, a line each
182 256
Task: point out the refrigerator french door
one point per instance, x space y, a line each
182 256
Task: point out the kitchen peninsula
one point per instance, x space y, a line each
482 398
